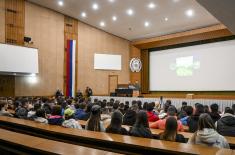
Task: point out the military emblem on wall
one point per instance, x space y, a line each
135 65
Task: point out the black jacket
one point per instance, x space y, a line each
193 123
215 116
129 118
226 125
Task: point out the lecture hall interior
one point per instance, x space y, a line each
106 77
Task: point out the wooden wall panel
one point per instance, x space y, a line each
135 53
46 28
7 85
145 72
70 33
91 41
2 21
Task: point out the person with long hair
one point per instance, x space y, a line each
170 132
141 126
116 124
94 123
207 134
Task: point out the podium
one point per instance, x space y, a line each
124 90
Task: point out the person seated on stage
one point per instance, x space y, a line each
94 122
192 121
163 112
207 135
80 113
160 124
226 124
3 108
56 117
129 117
32 113
70 122
181 111
41 116
22 110
116 124
206 109
151 115
170 132
215 112
141 126
189 112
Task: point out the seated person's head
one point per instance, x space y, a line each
171 111
205 121
82 105
229 111
37 106
56 110
115 105
184 103
150 107
116 119
41 113
214 108
206 109
199 109
68 114
168 102
141 119
135 107
170 131
189 110
3 105
145 105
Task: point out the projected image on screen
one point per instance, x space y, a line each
185 66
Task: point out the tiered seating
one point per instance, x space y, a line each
104 141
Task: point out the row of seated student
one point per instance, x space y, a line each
208 124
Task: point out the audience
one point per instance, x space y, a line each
94 123
170 132
160 124
56 117
41 116
207 135
226 124
215 112
116 124
141 126
70 122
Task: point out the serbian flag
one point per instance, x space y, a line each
70 68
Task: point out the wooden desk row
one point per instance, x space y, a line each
17 143
108 142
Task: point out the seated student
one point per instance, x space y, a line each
160 124
170 132
207 135
116 124
226 124
163 112
192 121
139 103
181 111
56 117
151 115
3 108
206 109
22 110
189 112
129 117
145 106
32 112
141 126
87 111
94 122
215 112
47 108
121 108
41 116
70 122
80 111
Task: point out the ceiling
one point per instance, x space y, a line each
134 27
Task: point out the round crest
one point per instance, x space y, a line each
135 65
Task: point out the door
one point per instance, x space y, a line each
113 83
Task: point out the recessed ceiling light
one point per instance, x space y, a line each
166 19
111 1
83 14
189 13
176 0
114 18
95 6
151 5
102 24
146 24
130 12
60 3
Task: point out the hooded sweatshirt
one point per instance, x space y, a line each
226 125
41 120
71 123
209 137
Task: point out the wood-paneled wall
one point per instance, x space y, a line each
70 33
7 85
46 28
211 32
90 41
145 72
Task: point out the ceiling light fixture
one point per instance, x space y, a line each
146 24
130 12
102 24
189 13
83 14
151 5
111 1
95 6
114 18
166 19
60 3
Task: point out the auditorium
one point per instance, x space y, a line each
110 77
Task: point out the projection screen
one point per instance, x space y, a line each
18 59
206 67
